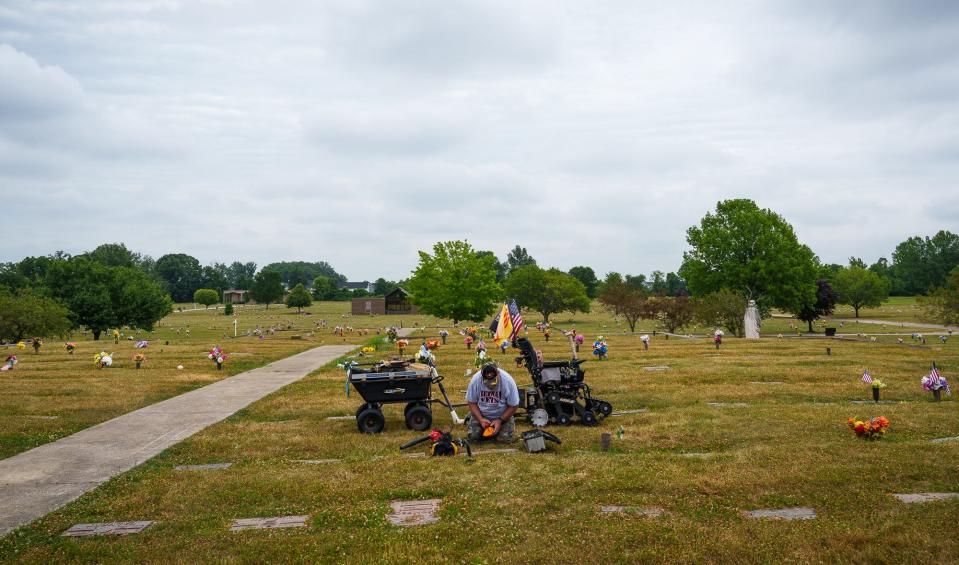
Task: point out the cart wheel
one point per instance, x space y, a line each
588 418
419 418
362 407
552 397
563 419
370 421
604 408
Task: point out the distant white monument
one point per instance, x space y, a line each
751 320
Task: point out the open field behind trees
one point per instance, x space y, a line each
788 446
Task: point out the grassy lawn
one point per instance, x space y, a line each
895 309
54 394
787 447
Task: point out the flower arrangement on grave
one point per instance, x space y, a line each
139 358
874 428
936 383
116 336
21 345
480 358
600 349
218 356
142 344
468 340
37 342
401 345
481 345
425 355
102 360
432 344
471 331
368 349
546 333
391 333
71 347
9 363
645 339
443 335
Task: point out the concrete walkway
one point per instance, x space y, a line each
894 323
45 478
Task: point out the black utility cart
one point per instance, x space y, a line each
396 382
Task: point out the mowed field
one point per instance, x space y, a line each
777 438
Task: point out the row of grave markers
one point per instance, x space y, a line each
423 512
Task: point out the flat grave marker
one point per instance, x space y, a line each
926 496
316 461
106 529
728 404
697 455
414 512
341 417
269 523
656 368
874 402
37 417
204 467
646 511
630 411
766 382
797 513
944 439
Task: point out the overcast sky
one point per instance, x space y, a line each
360 132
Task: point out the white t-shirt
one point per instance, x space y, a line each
493 402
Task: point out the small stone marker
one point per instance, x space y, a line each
605 439
269 523
631 411
341 417
926 496
657 368
798 513
697 455
874 402
647 511
414 512
944 439
766 382
44 417
204 467
728 404
106 529
508 450
316 461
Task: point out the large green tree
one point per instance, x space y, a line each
587 276
114 255
751 251
28 314
323 288
455 283
240 275
299 298
296 272
101 297
860 288
546 291
501 268
823 305
267 287
623 300
518 257
723 308
922 264
182 275
943 305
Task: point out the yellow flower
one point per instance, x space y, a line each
21 345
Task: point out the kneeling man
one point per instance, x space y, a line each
493 398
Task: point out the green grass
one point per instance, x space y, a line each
789 447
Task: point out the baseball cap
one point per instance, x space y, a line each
490 375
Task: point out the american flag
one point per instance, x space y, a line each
866 377
516 318
937 379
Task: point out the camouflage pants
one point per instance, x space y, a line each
507 430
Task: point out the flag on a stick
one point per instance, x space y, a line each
866 377
516 319
504 327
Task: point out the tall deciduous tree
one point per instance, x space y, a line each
182 275
267 287
943 305
752 251
455 283
519 257
27 314
100 297
860 288
824 305
587 276
673 312
626 301
299 298
922 264
324 288
724 308
547 292
500 267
